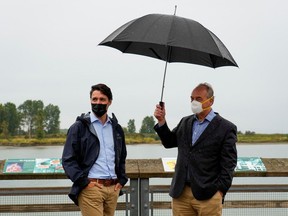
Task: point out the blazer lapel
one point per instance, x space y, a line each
210 128
189 132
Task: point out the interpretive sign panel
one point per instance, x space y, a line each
243 164
38 165
250 164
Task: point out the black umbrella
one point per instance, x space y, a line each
172 39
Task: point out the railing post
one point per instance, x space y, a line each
134 197
144 197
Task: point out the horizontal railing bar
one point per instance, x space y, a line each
234 188
15 208
256 204
259 188
153 188
233 204
34 191
155 205
37 191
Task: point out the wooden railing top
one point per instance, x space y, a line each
153 168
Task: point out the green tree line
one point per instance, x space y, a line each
146 127
31 119
35 121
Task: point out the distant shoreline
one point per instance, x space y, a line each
62 144
261 143
134 139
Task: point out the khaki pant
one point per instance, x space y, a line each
98 201
187 205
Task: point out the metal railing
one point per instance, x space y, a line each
152 200
143 199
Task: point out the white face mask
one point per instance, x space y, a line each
196 106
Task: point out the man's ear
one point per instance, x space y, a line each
110 102
212 100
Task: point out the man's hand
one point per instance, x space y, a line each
118 186
160 113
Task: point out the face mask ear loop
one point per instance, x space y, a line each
206 108
206 101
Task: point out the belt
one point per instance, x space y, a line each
105 182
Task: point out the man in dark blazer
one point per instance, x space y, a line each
207 155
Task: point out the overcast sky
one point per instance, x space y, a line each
49 51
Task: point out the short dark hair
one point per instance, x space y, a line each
104 89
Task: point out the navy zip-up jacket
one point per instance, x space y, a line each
81 150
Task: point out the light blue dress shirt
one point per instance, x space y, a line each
199 127
104 167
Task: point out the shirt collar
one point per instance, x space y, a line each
94 118
209 117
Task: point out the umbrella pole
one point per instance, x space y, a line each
161 103
163 85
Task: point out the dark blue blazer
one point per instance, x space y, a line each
210 161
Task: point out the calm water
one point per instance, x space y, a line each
145 151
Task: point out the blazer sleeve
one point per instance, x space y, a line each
168 137
228 159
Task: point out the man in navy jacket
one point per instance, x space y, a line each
94 157
207 155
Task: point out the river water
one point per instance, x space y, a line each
145 151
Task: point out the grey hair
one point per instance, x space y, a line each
210 91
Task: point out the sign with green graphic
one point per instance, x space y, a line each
243 164
250 164
38 165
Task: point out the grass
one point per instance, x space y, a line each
263 138
138 139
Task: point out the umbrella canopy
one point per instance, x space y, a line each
172 39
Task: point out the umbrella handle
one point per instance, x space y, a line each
161 103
